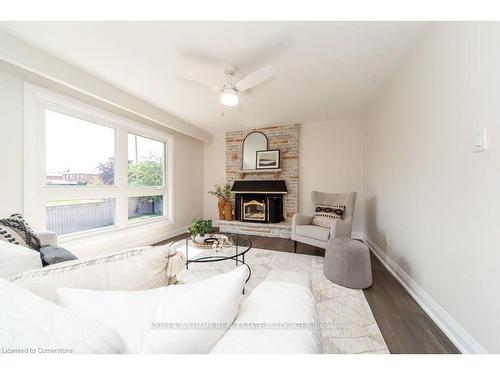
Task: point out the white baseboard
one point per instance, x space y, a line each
358 236
451 328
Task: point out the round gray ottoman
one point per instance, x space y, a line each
347 263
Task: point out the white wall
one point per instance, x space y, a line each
188 171
215 171
330 159
432 205
11 143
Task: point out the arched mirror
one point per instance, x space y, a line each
255 141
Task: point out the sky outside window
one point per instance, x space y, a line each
76 145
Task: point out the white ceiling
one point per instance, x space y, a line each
323 70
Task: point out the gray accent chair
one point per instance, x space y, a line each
304 231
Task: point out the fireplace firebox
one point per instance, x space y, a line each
259 201
254 209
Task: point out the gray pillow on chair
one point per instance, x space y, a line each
52 254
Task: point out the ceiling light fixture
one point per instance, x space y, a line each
229 97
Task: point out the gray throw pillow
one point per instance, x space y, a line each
51 254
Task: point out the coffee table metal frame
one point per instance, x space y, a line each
222 257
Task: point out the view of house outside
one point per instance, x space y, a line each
81 154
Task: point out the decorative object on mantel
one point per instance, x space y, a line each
199 229
223 193
268 159
254 141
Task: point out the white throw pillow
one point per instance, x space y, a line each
30 323
154 321
210 304
129 313
131 269
15 259
277 318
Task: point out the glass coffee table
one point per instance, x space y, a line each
234 249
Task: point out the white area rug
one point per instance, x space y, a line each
355 329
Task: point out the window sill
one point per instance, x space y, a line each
162 219
96 233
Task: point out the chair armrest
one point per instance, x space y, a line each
341 229
300 219
47 238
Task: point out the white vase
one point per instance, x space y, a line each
200 239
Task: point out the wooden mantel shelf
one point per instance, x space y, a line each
243 172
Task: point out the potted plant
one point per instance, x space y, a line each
199 229
223 193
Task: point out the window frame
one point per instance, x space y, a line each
37 193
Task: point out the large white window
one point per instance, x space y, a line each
78 152
88 170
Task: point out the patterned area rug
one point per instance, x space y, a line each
346 310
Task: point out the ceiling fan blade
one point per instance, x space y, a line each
196 84
255 78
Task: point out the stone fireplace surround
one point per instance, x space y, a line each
286 139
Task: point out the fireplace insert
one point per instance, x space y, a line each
259 208
259 201
254 209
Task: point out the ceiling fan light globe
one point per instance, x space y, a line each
229 97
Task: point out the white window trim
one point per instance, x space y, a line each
37 193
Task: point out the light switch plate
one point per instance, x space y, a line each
480 140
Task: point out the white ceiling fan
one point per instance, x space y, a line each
229 92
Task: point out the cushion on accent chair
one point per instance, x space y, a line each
326 214
313 231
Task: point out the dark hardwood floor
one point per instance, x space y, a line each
406 328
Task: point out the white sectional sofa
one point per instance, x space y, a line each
89 306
